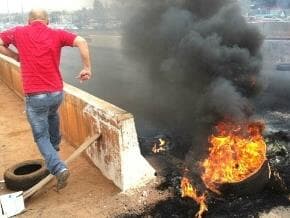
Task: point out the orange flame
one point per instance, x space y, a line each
236 152
187 190
157 148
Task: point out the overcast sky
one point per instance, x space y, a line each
16 5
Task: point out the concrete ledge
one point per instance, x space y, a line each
117 154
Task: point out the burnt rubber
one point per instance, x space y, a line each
24 175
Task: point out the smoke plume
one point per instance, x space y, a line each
204 46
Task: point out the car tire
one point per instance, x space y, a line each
24 175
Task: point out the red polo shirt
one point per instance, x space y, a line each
39 49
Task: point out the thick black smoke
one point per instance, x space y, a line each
206 47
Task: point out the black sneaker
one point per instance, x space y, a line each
62 178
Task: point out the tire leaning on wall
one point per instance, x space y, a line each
24 175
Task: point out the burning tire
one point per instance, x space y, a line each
254 183
237 162
24 175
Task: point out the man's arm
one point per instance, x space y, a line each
82 44
8 52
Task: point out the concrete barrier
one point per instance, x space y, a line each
273 30
117 154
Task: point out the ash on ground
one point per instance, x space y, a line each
273 201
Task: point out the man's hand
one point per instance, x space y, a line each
82 44
85 74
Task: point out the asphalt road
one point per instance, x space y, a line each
273 103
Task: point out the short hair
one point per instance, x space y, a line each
38 14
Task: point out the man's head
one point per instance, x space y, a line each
38 15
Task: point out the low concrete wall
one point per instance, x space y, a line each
273 30
117 153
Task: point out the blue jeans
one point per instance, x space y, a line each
42 114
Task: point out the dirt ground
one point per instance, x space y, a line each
88 194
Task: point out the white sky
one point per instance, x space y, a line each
16 5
